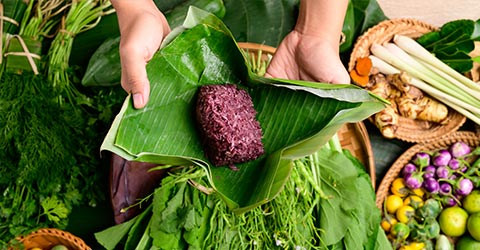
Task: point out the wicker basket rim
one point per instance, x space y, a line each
57 233
382 27
471 138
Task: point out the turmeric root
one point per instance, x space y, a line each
361 72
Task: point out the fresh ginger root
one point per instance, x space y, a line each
402 81
413 104
387 119
425 108
405 100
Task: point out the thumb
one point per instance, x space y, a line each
134 80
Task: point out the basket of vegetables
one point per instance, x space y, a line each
429 96
431 194
352 136
51 239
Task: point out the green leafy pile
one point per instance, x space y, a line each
453 42
49 160
327 203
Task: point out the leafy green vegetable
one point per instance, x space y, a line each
47 151
453 42
54 209
361 15
209 55
327 203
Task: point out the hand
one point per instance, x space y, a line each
309 58
142 29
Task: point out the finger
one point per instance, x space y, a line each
134 78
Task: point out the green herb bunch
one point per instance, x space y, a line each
50 139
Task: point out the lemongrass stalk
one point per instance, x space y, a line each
448 100
414 48
382 66
473 92
465 112
419 65
420 72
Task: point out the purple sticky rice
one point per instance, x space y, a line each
229 130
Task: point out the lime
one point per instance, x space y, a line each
467 243
473 225
471 202
453 221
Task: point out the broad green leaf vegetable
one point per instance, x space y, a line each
296 117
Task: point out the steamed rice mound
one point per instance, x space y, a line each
228 128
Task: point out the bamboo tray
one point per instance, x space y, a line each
393 172
352 136
46 238
414 131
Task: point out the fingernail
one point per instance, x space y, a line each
138 100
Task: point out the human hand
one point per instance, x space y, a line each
309 58
142 29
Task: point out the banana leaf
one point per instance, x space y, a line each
297 117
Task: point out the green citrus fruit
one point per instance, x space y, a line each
453 221
467 243
471 202
473 225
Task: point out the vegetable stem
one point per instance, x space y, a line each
391 59
414 48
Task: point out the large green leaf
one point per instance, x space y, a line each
296 117
264 22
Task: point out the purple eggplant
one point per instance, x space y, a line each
464 187
445 188
408 169
413 180
421 159
459 149
441 157
449 201
442 172
431 185
455 164
429 172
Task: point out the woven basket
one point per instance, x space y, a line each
409 130
47 238
393 172
352 136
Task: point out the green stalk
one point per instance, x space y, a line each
82 15
471 91
387 69
435 79
386 55
474 117
417 50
